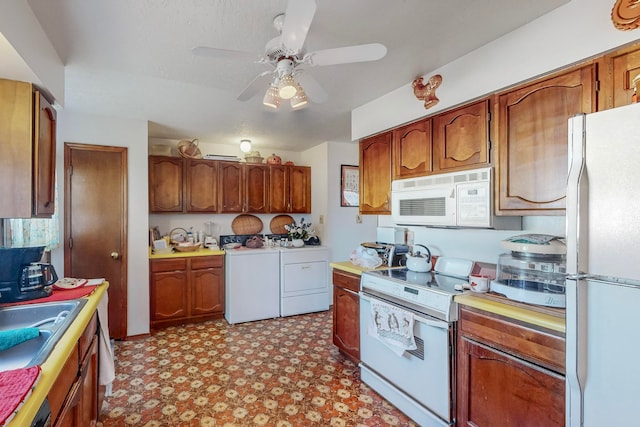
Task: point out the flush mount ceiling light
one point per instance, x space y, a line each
245 145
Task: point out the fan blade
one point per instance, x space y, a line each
345 55
297 21
253 87
311 87
212 52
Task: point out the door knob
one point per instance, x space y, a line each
115 255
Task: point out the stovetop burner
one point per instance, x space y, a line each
429 280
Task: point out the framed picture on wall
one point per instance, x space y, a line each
349 185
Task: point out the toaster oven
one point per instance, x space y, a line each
392 255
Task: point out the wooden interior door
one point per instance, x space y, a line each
95 226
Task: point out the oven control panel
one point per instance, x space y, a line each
431 299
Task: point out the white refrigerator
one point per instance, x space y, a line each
603 269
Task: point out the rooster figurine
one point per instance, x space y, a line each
427 92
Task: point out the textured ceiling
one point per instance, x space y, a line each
133 59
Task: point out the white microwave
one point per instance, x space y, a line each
457 199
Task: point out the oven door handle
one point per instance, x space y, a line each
417 318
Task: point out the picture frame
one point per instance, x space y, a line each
349 186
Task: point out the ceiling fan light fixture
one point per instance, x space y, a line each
271 98
300 98
287 87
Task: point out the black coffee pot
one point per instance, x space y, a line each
22 276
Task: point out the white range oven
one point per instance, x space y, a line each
420 382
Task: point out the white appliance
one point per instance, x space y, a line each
603 253
392 235
304 280
418 382
456 199
252 284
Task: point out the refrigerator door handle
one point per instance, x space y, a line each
576 350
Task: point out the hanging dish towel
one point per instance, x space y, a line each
393 326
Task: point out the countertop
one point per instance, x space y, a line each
549 318
199 252
56 360
541 316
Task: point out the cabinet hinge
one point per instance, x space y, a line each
70 171
597 85
70 242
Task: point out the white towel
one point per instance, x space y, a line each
392 326
107 366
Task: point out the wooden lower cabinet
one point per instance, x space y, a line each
346 313
508 374
74 395
186 289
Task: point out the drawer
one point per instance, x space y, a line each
207 262
67 376
168 264
535 345
346 280
85 339
304 277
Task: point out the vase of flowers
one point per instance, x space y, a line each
298 233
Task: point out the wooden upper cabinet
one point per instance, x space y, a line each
289 189
532 140
461 137
375 174
201 186
256 181
165 184
27 151
620 68
412 150
231 188
300 189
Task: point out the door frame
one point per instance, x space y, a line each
68 147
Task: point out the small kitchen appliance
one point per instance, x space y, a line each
22 276
534 271
392 255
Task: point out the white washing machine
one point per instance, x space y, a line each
304 280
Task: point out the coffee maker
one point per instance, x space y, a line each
22 276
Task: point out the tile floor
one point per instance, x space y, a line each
280 372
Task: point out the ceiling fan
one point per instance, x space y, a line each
287 56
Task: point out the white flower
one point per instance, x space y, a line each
299 231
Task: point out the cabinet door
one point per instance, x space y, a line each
165 184
375 174
207 291
532 141
346 322
461 137
412 150
256 179
620 69
44 165
278 189
300 189
496 389
202 186
88 404
230 187
168 294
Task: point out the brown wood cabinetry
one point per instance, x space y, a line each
461 137
256 188
375 174
346 313
28 151
509 373
201 180
231 187
243 187
289 189
165 184
186 289
532 137
412 154
619 69
74 395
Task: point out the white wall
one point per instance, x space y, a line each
133 134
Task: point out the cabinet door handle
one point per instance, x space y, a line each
305 267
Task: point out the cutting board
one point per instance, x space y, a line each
278 222
246 224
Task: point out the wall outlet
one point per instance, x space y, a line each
321 219
358 219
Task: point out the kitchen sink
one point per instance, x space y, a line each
52 319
